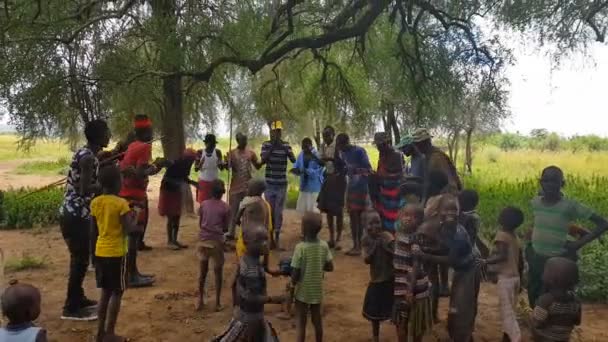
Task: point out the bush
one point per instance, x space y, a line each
509 142
56 167
38 209
26 262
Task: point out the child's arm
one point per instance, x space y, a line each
239 214
296 264
541 311
128 222
501 255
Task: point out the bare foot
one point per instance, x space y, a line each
200 304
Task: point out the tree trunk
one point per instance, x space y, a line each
468 152
392 122
317 135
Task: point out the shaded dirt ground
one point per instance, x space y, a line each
165 312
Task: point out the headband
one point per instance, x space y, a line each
143 123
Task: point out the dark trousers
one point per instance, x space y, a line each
76 234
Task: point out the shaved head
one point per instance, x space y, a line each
21 303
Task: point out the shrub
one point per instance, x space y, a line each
26 262
38 209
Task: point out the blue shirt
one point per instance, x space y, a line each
26 332
311 175
460 249
358 167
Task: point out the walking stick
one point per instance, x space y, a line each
228 161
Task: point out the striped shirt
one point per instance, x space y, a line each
556 318
551 224
403 263
310 258
276 162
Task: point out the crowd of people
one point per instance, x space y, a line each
412 223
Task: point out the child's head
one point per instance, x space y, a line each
468 200
110 179
342 141
411 218
372 223
306 145
448 212
256 240
510 218
97 132
21 303
438 180
210 141
560 274
256 187
311 225
218 189
552 181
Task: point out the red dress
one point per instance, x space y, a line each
134 189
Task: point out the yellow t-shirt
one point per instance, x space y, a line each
112 239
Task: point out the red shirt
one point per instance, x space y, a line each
138 153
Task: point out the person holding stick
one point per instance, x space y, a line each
136 169
75 218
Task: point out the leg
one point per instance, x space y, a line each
444 290
354 216
507 300
339 226
434 278
402 331
113 311
301 317
270 196
94 235
536 267
135 279
376 331
235 201
332 232
278 218
176 223
102 310
170 233
202 279
144 221
76 234
317 321
218 268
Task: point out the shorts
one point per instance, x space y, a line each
210 249
111 273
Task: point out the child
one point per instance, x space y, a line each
311 258
468 200
412 314
113 219
250 294
214 222
170 198
558 310
209 165
378 247
553 215
309 168
507 262
254 211
466 278
21 305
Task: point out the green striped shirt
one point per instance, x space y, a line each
310 258
551 224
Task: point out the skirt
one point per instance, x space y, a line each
331 197
237 332
306 202
204 191
463 301
170 203
417 319
378 303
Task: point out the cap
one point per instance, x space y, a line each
210 138
278 124
405 141
381 137
421 134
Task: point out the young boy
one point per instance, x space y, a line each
254 211
507 261
113 219
311 259
466 279
378 248
412 314
208 166
553 216
557 311
250 294
468 200
170 198
214 222
21 305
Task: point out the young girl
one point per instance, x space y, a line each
249 294
378 248
309 168
558 310
170 199
412 313
21 305
114 220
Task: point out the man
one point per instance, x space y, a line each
136 168
275 153
208 166
385 192
240 160
357 194
411 184
75 218
331 197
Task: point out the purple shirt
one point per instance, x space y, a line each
214 219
